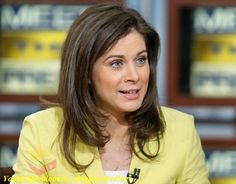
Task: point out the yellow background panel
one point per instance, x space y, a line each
214 48
30 45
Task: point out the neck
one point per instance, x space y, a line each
117 127
116 154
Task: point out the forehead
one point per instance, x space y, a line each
132 42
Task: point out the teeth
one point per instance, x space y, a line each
130 91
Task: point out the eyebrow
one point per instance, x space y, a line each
122 56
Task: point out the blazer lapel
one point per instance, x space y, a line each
137 163
144 164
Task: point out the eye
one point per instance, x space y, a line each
141 60
116 64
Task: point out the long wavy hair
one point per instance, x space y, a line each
96 30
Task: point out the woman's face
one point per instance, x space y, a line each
120 76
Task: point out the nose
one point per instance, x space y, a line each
132 74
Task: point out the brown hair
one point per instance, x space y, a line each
96 30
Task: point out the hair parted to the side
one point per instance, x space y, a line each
96 30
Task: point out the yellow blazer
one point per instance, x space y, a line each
181 159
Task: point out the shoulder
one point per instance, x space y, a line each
43 123
178 124
173 116
50 113
47 116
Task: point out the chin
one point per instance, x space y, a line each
131 108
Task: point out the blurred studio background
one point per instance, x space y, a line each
196 71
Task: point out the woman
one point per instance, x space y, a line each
108 126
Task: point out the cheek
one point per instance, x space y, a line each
105 79
104 83
145 75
